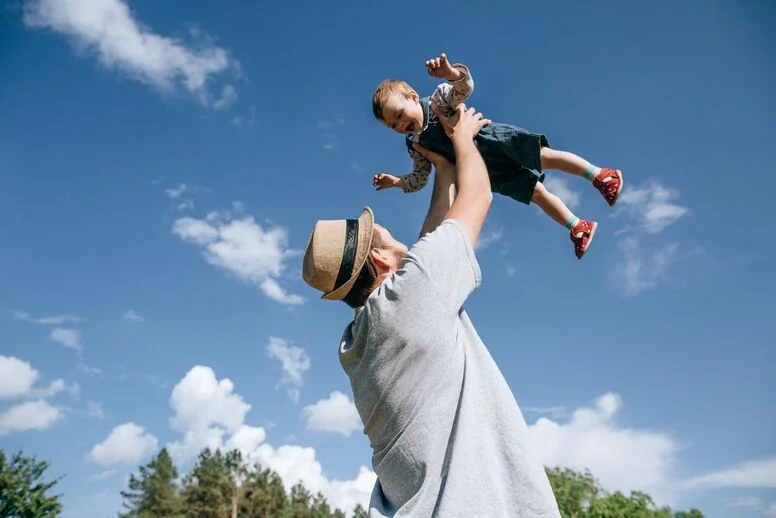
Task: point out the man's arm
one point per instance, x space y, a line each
441 196
444 254
472 203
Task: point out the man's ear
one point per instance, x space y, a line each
380 260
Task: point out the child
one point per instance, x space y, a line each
515 158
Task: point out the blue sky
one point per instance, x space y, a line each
162 165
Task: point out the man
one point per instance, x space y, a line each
447 436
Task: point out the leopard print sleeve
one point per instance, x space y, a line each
421 170
450 95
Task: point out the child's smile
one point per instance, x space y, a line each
403 115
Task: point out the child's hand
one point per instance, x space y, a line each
386 181
440 67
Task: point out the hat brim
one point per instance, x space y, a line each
366 227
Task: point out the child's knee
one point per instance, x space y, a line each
539 194
547 156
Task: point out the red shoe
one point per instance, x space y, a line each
582 235
609 184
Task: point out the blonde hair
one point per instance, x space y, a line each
384 92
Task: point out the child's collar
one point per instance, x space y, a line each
425 104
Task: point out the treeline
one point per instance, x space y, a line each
220 485
224 485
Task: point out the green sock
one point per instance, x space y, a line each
591 172
573 220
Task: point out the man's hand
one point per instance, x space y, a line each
462 122
386 181
433 157
440 67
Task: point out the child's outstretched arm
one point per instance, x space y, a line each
412 182
460 84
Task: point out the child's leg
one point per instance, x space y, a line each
565 161
553 206
607 181
581 231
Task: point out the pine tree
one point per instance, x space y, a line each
207 489
263 494
154 494
238 472
299 502
22 489
360 512
319 507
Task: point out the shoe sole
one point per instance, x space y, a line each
589 240
619 189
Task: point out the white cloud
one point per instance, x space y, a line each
644 262
110 30
245 121
243 248
95 410
559 186
52 320
228 97
176 192
640 270
54 388
208 412
293 360
336 414
132 316
510 269
650 206
329 134
554 412
486 240
128 443
297 463
31 415
756 474
16 377
70 338
206 409
621 458
199 400
185 205
89 369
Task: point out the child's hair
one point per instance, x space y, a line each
384 92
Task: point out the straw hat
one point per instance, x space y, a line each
336 252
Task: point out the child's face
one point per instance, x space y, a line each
403 114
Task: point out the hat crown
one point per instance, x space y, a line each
323 256
336 253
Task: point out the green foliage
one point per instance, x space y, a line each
219 485
23 491
580 496
153 492
224 485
